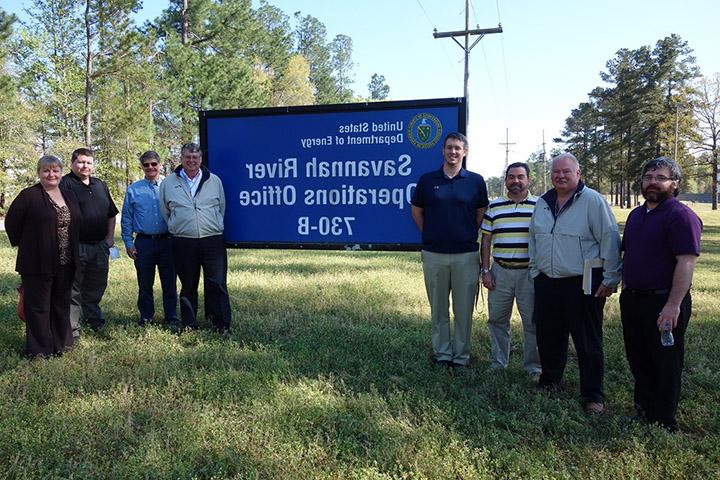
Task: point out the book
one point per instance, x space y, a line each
591 271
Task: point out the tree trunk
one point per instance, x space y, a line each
715 177
185 22
128 153
88 74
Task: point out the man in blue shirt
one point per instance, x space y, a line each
448 207
152 246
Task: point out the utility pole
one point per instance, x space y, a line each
466 48
507 144
544 164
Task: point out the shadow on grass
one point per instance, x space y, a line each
320 377
315 262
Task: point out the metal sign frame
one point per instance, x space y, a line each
227 152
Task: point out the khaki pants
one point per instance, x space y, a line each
511 284
457 274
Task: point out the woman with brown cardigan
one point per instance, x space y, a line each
43 222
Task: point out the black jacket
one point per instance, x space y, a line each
31 225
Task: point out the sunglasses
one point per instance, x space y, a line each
150 164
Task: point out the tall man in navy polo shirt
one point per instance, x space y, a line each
661 244
151 247
448 207
97 236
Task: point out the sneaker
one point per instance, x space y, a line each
592 408
144 322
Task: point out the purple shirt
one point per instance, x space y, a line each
651 241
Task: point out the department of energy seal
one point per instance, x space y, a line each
424 130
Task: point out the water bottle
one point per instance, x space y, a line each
666 335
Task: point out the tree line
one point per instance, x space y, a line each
82 72
653 102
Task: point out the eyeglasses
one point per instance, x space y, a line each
656 178
150 164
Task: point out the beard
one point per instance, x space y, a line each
655 195
515 188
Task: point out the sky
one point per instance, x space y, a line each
525 80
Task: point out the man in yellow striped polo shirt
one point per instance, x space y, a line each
505 235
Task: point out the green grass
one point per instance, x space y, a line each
327 375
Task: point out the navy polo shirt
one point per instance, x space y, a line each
651 241
96 206
450 210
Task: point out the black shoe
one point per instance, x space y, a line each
594 408
145 321
442 363
97 327
640 416
673 428
547 387
459 365
639 419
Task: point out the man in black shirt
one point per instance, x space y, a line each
97 236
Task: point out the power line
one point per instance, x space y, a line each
466 48
491 83
432 24
507 144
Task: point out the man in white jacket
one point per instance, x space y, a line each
572 232
192 201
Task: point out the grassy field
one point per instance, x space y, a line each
327 374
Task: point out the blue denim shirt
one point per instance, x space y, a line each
141 211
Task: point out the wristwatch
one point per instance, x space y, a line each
485 270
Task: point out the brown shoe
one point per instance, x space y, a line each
594 407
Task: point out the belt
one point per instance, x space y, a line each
509 265
154 236
645 293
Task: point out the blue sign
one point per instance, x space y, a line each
338 176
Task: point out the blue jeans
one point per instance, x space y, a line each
152 253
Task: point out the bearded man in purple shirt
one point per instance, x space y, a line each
661 244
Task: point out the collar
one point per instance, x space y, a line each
198 177
203 169
462 173
529 196
72 175
664 205
550 198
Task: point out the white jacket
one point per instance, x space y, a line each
193 217
585 229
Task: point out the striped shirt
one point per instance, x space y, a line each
508 223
